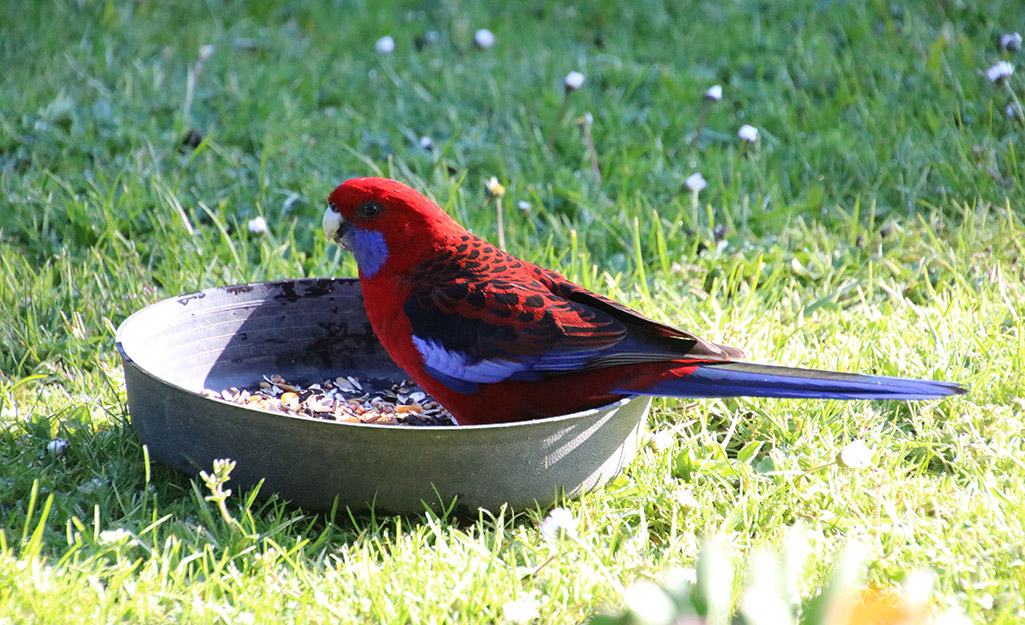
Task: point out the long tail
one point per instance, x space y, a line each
743 379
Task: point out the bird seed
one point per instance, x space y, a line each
346 398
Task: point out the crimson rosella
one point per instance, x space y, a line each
496 339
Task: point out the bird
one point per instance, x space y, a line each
495 339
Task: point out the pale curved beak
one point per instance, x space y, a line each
332 224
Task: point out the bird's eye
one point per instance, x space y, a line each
332 207
367 210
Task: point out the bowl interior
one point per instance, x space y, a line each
302 330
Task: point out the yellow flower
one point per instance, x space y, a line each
495 188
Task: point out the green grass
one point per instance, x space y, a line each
876 226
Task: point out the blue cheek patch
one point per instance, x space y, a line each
370 250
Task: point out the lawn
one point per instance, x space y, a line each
876 224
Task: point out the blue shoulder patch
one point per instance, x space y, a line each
455 370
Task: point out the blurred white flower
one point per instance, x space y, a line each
385 45
426 144
761 604
1010 41
559 521
57 446
117 536
661 440
484 38
748 132
999 71
648 603
856 455
686 499
205 52
679 582
574 80
951 617
918 587
520 611
636 546
524 206
90 486
984 601
258 225
678 578
695 182
432 36
714 93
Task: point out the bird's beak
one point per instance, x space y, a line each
335 227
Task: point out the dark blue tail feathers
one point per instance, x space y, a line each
742 379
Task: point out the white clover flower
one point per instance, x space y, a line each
258 225
484 38
748 132
520 611
426 144
714 93
1010 41
559 521
1000 71
856 455
385 45
695 182
57 446
574 81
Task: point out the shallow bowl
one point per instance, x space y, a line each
315 329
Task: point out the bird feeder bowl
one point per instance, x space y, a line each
311 330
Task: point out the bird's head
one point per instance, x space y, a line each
383 222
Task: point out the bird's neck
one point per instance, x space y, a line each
420 244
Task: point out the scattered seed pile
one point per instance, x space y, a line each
343 399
